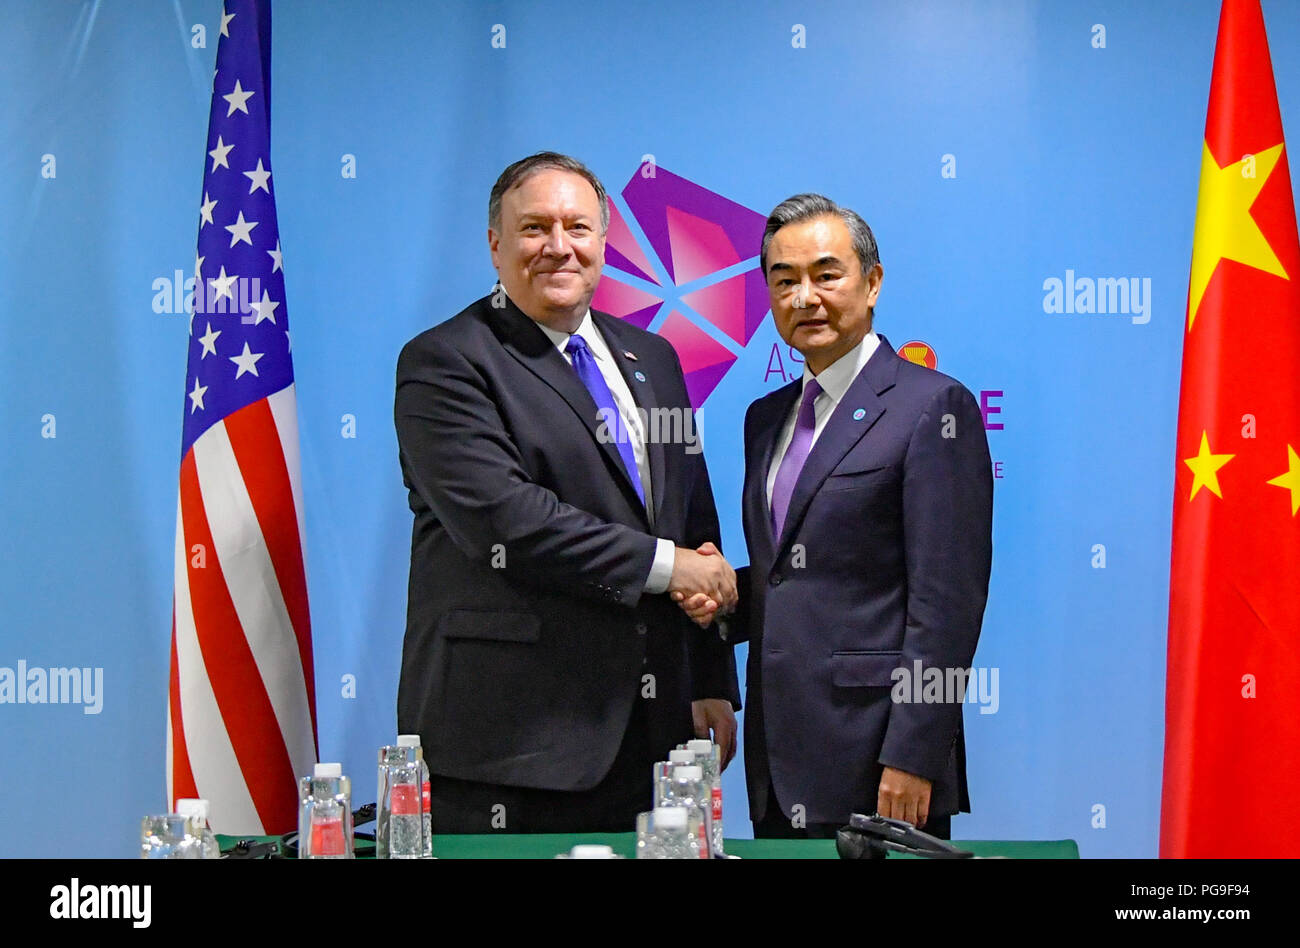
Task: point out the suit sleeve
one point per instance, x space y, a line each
948 548
734 628
459 457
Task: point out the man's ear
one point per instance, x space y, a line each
494 244
874 278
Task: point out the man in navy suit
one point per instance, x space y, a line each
867 508
545 665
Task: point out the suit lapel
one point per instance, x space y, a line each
775 410
530 346
644 394
843 430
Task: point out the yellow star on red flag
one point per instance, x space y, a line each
1205 466
1291 479
1225 229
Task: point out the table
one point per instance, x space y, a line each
547 845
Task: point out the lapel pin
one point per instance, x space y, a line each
629 355
859 414
640 376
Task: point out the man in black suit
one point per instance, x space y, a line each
867 507
545 665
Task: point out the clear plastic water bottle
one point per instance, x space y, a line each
169 836
668 833
686 788
390 756
325 814
663 771
405 824
709 756
412 742
682 755
196 811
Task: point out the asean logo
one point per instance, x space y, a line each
919 352
683 262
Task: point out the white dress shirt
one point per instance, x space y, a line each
661 570
835 380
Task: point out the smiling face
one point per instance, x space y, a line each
550 249
821 299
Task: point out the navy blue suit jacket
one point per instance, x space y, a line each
883 561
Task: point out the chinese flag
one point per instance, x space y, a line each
1232 699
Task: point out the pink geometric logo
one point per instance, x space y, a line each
707 295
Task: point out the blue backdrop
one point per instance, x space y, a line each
992 147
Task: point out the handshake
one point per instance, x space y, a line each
703 584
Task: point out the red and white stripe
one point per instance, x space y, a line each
241 722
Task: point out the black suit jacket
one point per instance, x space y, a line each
883 561
528 637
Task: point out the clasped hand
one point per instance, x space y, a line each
703 583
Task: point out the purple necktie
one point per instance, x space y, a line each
787 475
584 363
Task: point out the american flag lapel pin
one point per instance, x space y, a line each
629 355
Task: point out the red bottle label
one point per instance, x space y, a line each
425 795
327 837
406 799
717 804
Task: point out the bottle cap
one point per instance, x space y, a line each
688 772
681 757
408 740
589 851
193 809
670 817
325 771
700 746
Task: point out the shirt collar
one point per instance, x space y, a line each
836 378
586 329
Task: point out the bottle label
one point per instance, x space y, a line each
327 837
406 799
425 796
717 804
704 842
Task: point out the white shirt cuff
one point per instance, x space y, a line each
661 570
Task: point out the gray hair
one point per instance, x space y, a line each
804 207
542 161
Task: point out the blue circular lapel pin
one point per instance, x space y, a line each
859 414
640 376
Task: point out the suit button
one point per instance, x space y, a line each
776 579
641 628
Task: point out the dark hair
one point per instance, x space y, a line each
542 161
804 207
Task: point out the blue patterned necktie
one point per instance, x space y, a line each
584 363
787 475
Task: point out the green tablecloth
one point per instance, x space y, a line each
546 846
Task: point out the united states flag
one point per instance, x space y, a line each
242 717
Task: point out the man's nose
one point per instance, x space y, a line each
806 295
557 243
